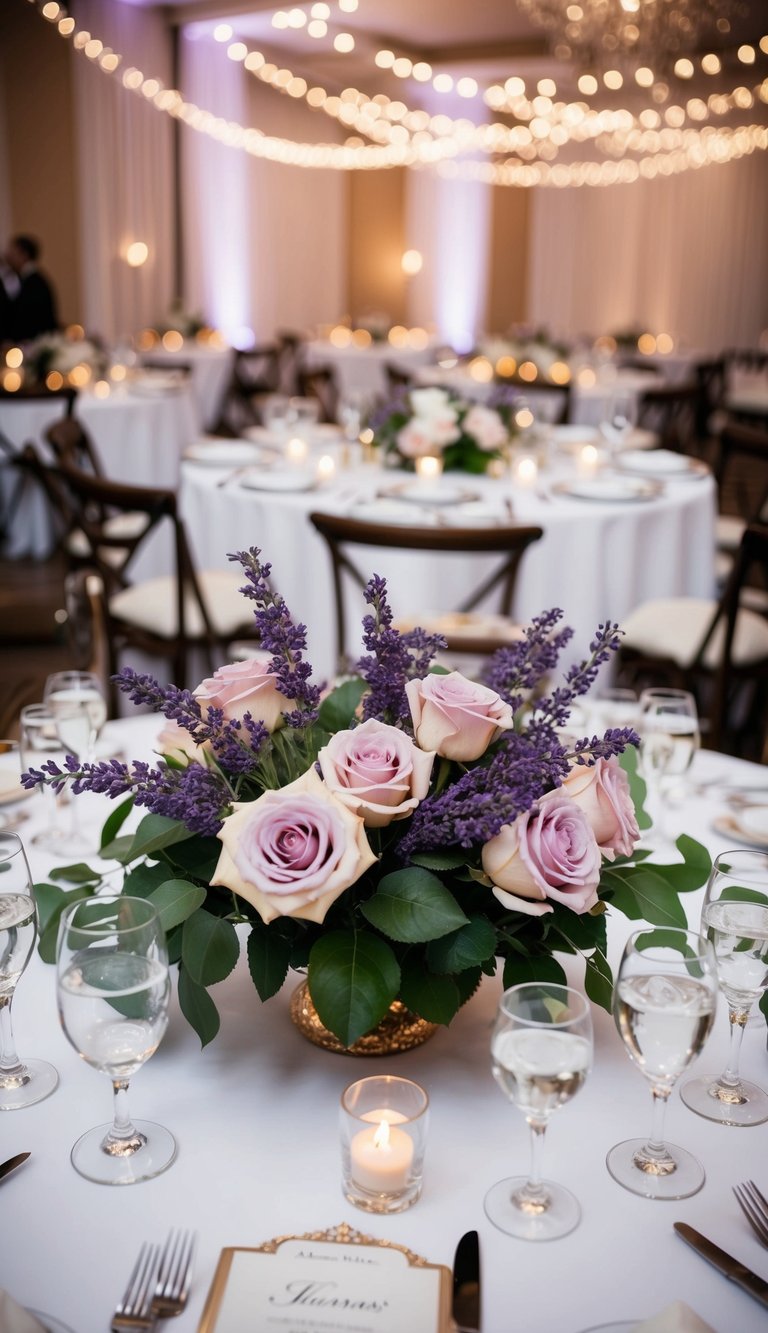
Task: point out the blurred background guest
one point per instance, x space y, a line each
28 300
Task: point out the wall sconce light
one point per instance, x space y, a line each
136 254
412 262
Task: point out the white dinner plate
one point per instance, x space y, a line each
428 493
610 488
48 1322
211 451
475 514
279 479
392 511
311 431
660 463
573 437
749 826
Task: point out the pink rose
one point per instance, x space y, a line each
245 687
377 771
292 852
549 852
456 717
602 791
486 427
415 439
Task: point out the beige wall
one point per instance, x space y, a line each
36 88
376 230
508 260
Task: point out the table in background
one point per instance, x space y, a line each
590 400
211 371
597 559
256 1118
363 369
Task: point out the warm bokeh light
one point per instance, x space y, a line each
526 471
12 381
102 389
75 332
118 373
340 336
528 371
296 450
326 466
344 42
398 336
136 254
524 418
665 343
172 340
79 376
146 339
222 32
480 370
559 372
587 378
412 262
506 366
54 381
684 68
419 339
646 344
14 358
361 338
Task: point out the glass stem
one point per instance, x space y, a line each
655 1144
730 1076
123 1138
12 1071
533 1190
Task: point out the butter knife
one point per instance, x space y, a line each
731 1268
12 1163
466 1284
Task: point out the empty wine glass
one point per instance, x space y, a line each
38 744
541 1051
735 918
664 1005
77 704
620 419
113 989
22 1083
669 738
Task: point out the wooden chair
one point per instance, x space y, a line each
741 472
717 649
396 377
166 616
10 492
321 384
255 374
745 368
509 543
672 412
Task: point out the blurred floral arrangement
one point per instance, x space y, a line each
467 436
178 320
76 359
532 346
396 836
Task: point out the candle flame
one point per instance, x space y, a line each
381 1137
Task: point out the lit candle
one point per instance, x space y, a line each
382 1156
326 467
526 472
102 389
429 468
588 459
296 451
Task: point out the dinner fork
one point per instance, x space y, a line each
174 1274
754 1207
134 1311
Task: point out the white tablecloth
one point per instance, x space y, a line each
362 369
211 369
140 439
255 1115
590 397
596 559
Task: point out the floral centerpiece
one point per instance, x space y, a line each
526 345
467 436
61 354
396 837
189 323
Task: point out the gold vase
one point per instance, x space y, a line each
398 1030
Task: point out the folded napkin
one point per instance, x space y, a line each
676 1318
13 1319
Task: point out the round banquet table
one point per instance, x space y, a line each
362 370
255 1115
210 367
596 560
139 438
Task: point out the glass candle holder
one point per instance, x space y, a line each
383 1129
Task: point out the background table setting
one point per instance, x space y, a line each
256 1118
600 525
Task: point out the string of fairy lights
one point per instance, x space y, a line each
663 142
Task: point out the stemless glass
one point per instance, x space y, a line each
22 1083
735 918
76 701
541 1050
669 738
664 1006
113 989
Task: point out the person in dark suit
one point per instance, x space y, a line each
29 305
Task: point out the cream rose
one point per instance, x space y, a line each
377 771
176 743
486 427
456 717
602 792
245 687
292 852
549 852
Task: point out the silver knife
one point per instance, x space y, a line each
466 1284
12 1163
731 1268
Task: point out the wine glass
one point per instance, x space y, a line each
664 1005
76 702
620 419
669 738
113 989
22 1083
541 1051
38 744
735 918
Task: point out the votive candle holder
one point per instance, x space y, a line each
383 1127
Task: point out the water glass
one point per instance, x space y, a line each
39 744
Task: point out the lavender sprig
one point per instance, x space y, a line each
394 658
581 676
282 638
519 668
196 796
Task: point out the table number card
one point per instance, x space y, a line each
326 1282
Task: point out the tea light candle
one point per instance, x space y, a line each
326 467
588 459
526 472
296 451
429 468
382 1155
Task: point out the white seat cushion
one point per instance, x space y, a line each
729 531
129 525
674 628
152 605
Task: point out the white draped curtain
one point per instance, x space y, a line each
448 222
684 255
125 172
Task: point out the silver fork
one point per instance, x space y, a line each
754 1207
174 1274
134 1311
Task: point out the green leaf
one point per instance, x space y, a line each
638 788
154 833
353 979
115 821
119 849
269 954
412 906
438 999
49 913
598 981
542 967
76 874
468 982
144 878
469 946
197 858
643 894
209 947
176 900
337 711
439 860
198 1008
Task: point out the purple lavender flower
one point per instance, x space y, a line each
282 638
394 658
234 745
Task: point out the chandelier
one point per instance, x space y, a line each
629 34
